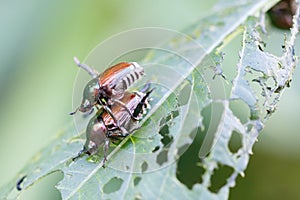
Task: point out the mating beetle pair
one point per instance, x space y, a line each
101 128
120 110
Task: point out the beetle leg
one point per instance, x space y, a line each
88 113
75 111
116 134
146 87
20 181
125 107
85 114
123 133
105 149
112 115
134 129
91 111
141 104
80 153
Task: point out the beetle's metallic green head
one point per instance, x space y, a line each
95 135
90 93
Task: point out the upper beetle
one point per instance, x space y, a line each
108 88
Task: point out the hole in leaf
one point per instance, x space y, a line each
164 132
240 109
183 148
184 95
136 180
144 166
249 127
235 142
192 135
155 149
113 185
162 157
219 178
263 85
271 84
212 117
171 116
162 122
189 169
167 139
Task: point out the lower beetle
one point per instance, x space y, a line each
101 129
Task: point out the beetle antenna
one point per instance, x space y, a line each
85 67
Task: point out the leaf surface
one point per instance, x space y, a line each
144 165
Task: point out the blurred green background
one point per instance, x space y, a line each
38 39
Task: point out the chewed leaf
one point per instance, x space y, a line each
144 165
252 59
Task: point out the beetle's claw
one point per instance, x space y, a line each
88 113
136 118
80 153
104 161
20 181
75 158
75 111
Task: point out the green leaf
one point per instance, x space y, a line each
144 165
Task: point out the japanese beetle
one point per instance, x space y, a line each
282 14
108 88
101 129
